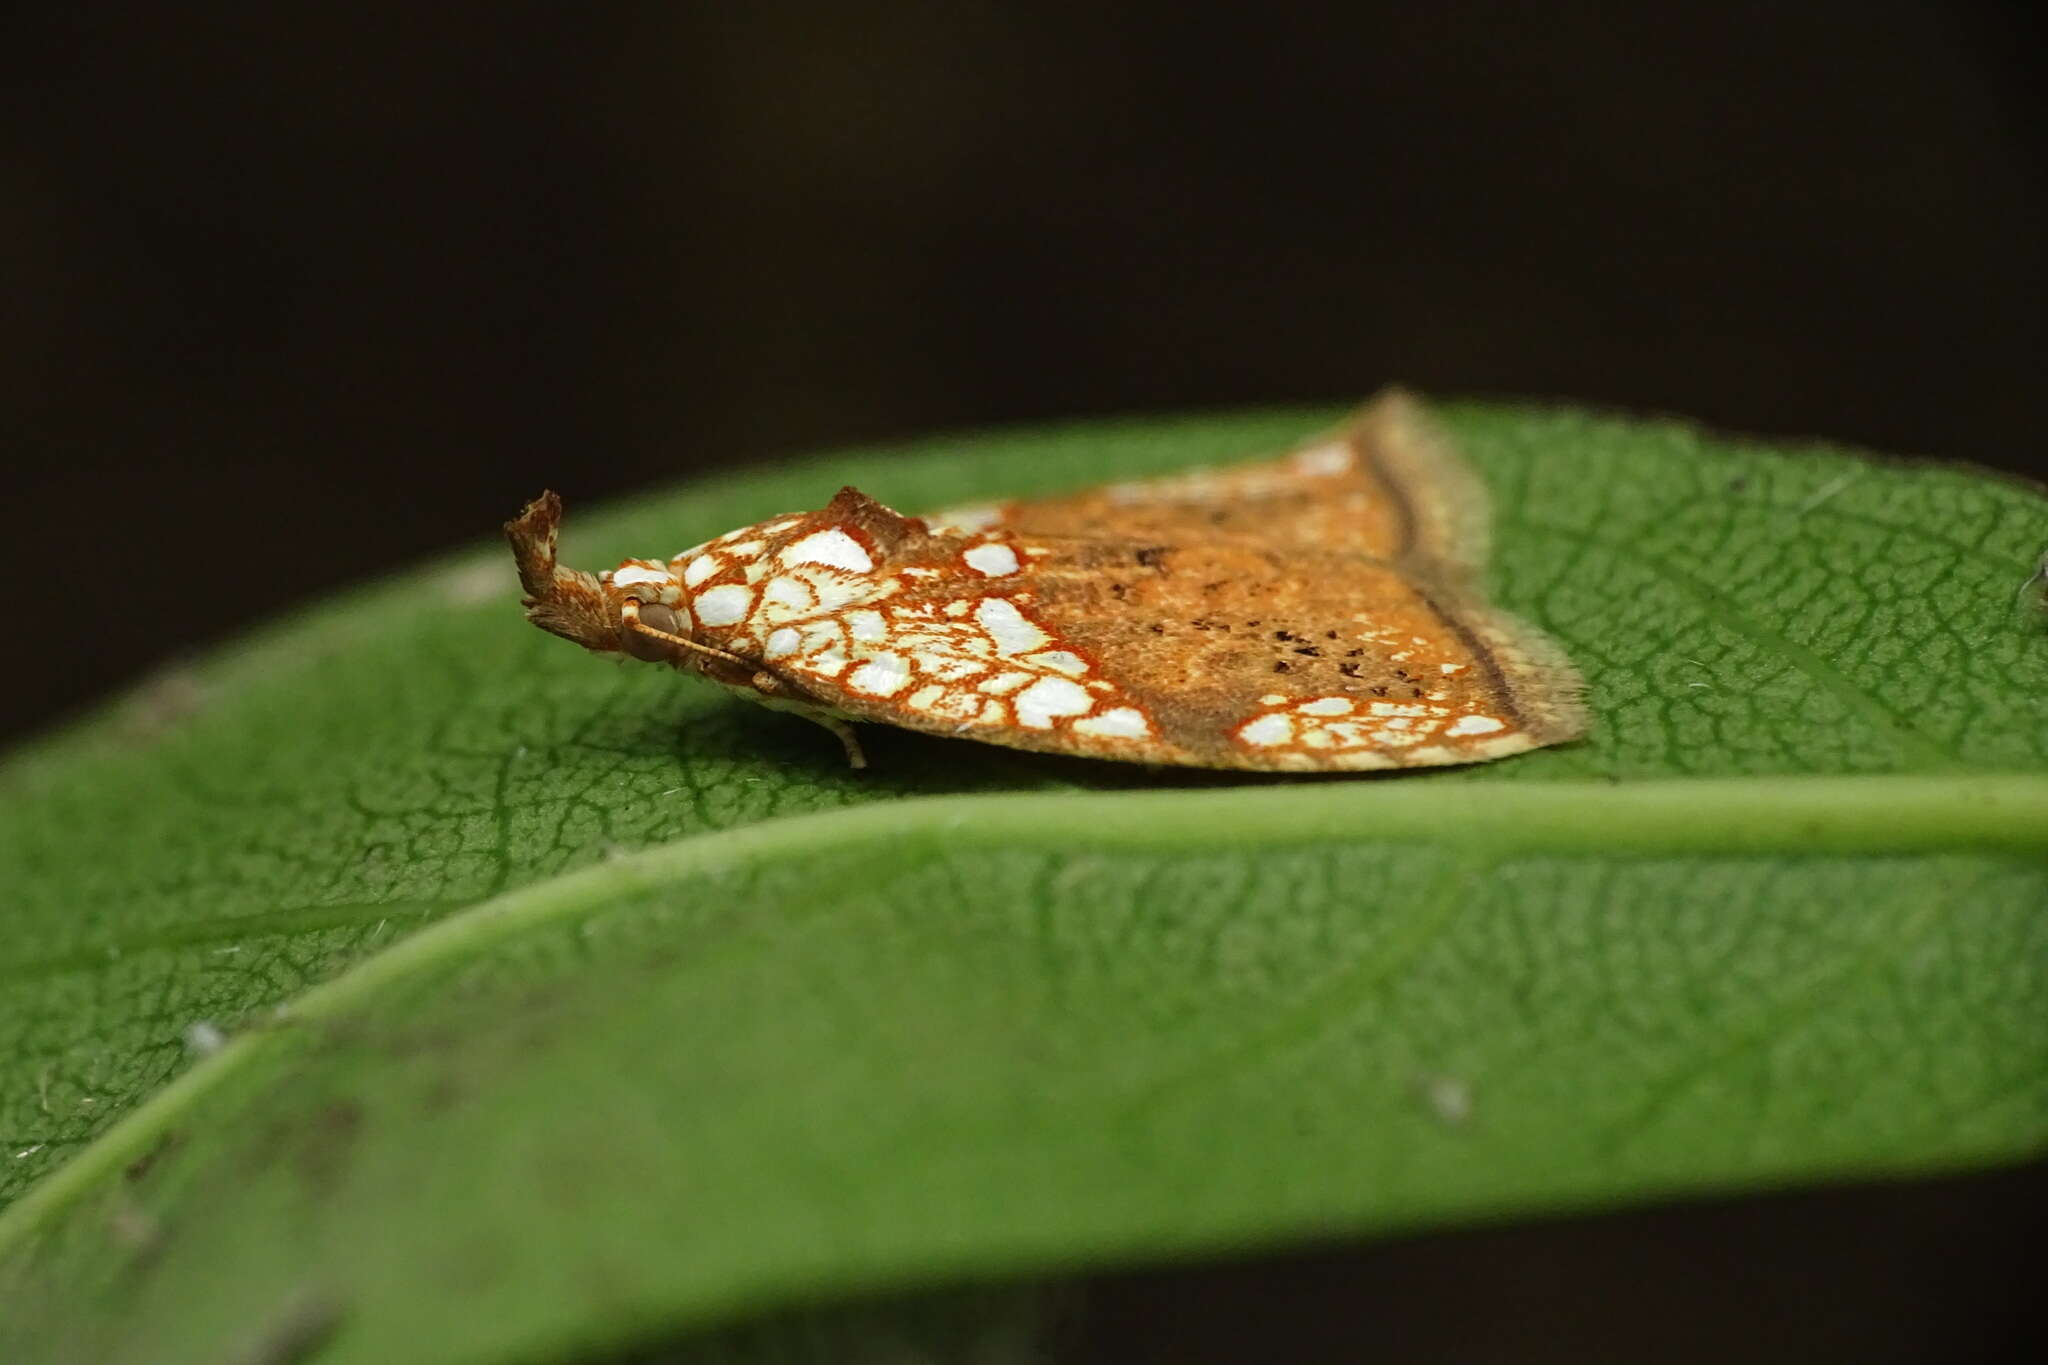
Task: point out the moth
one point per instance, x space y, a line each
1318 611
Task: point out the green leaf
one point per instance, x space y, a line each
573 1007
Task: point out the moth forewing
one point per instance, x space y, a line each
1316 611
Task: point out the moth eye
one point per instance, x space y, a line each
646 646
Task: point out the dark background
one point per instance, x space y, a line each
294 295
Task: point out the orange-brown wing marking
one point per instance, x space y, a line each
864 613
1250 657
1312 612
955 643
1227 655
1386 483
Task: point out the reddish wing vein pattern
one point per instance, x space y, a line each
1314 612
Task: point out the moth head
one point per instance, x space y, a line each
642 595
567 602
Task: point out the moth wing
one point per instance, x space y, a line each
866 613
1224 654
1302 659
956 658
1386 483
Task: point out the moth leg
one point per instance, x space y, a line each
768 688
768 685
854 757
630 614
2036 582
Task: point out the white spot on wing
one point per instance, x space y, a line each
882 676
867 626
1008 627
833 548
971 518
787 590
1125 722
1048 698
1271 728
1005 683
633 575
725 605
781 642
1059 661
1326 706
835 592
1332 458
1475 725
960 706
993 561
699 569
